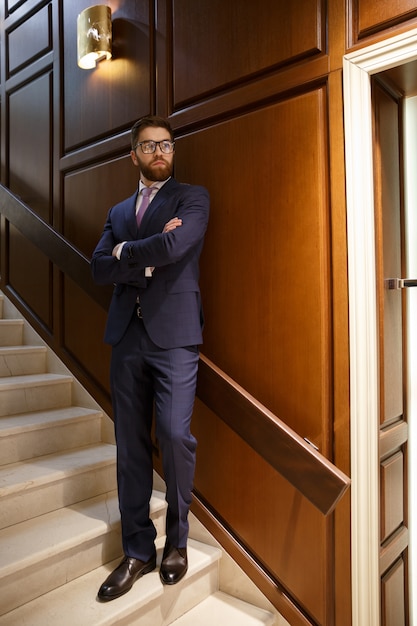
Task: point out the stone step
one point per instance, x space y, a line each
149 603
21 394
11 332
1 305
46 483
21 360
28 435
224 610
46 552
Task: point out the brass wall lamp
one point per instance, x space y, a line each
94 36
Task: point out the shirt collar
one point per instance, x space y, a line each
155 186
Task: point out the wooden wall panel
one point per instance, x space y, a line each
29 40
282 529
110 98
30 276
230 42
30 177
30 144
370 17
392 498
392 597
84 342
268 324
267 308
89 193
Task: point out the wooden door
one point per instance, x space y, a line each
392 358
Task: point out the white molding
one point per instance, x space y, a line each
357 69
411 269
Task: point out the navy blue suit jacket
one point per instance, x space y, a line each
170 300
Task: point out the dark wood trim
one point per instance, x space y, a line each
321 482
270 587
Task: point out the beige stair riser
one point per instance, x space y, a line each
11 332
25 360
174 602
85 549
34 581
198 588
149 603
22 398
40 441
40 499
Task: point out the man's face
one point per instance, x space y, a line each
157 165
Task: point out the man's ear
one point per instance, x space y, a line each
134 158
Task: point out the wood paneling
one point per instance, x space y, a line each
111 97
30 277
282 528
89 193
392 600
268 323
392 498
30 144
29 40
370 17
30 177
246 86
236 41
294 458
84 343
267 311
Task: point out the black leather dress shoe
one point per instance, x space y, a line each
174 565
122 578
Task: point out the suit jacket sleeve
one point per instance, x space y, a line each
156 250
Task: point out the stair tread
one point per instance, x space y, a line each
76 602
23 545
38 420
32 380
22 475
22 349
224 610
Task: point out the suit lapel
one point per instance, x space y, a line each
130 215
161 197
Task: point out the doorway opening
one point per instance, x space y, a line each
358 67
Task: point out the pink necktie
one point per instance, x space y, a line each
146 192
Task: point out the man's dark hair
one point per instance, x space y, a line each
149 120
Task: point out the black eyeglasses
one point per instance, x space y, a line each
148 147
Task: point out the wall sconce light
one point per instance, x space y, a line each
94 37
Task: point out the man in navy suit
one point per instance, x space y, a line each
155 328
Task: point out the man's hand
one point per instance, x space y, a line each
172 224
115 249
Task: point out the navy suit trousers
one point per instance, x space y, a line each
148 381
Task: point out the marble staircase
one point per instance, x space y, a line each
59 518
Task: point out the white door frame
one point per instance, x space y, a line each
358 67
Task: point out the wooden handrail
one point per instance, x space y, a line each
58 249
321 482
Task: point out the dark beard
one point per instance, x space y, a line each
156 174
